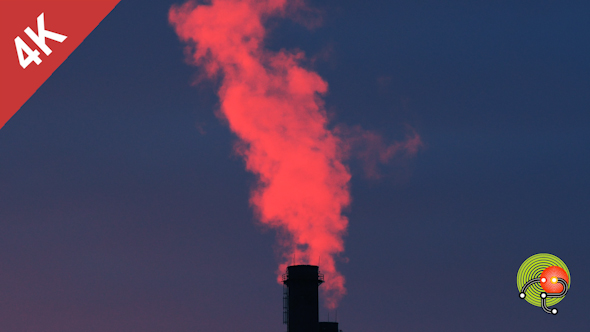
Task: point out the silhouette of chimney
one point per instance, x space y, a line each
300 300
328 327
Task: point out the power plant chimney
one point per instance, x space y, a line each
300 300
328 327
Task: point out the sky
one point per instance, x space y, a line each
125 208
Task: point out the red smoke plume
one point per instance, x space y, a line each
274 106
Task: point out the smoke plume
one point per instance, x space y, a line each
275 108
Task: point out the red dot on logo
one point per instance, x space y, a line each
549 279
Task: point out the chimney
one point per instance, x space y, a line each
328 327
300 299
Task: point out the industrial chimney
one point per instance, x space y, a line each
329 327
300 300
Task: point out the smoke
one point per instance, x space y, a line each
275 108
371 149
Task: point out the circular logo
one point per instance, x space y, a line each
543 280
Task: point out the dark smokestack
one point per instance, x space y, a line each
328 327
301 298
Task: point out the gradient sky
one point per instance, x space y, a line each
123 207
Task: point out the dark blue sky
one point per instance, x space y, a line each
118 214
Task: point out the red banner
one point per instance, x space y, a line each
35 38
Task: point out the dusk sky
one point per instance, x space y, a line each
124 206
